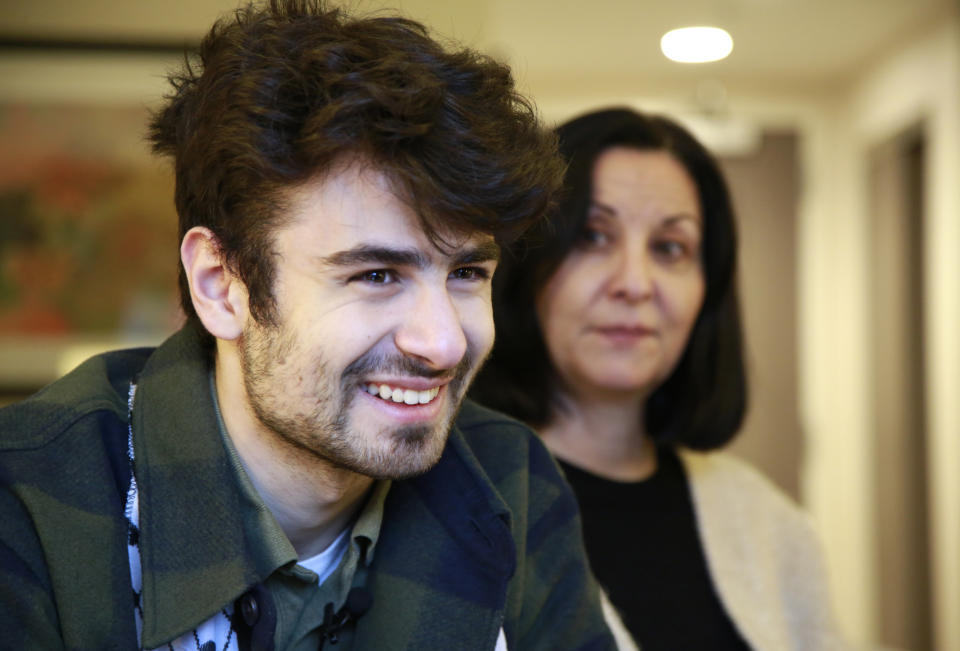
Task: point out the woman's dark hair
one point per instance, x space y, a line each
282 91
701 404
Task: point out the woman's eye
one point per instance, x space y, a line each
592 237
671 249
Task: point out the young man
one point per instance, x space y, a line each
296 467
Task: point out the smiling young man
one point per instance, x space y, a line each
297 467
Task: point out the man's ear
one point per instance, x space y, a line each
219 297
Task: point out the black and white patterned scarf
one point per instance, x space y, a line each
215 634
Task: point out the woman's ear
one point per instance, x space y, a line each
219 297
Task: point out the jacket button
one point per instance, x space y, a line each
249 609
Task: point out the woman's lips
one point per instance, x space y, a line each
625 334
634 330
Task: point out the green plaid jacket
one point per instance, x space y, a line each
489 537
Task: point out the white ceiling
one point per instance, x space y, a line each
588 43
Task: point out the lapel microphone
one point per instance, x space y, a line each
358 602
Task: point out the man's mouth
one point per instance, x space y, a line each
401 395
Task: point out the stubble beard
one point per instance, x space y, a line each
310 410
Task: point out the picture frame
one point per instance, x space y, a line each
88 244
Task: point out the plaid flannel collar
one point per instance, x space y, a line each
193 561
191 507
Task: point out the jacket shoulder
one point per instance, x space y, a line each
97 385
553 600
503 444
473 416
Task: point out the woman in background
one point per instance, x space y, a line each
619 341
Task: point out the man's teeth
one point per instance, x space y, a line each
407 396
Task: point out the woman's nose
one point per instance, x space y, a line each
632 274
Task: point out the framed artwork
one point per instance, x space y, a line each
88 244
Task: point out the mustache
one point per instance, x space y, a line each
401 365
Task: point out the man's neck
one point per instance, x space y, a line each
311 500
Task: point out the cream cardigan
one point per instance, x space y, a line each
763 556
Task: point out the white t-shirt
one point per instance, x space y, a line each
324 563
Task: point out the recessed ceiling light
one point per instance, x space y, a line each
696 44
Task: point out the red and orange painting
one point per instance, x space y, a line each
87 224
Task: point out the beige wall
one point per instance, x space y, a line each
765 188
921 84
898 392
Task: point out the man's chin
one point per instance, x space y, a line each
398 453
415 450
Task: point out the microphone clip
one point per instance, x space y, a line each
358 602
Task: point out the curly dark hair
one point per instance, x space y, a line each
701 405
280 92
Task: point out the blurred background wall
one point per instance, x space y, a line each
837 123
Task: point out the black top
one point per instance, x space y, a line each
644 548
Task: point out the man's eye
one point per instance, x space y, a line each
375 277
469 273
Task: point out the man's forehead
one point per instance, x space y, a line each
355 204
452 245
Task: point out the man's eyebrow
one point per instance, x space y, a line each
389 257
378 255
482 252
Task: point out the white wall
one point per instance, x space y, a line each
918 83
833 359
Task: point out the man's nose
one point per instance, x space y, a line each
431 330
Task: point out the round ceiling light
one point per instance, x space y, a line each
696 44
